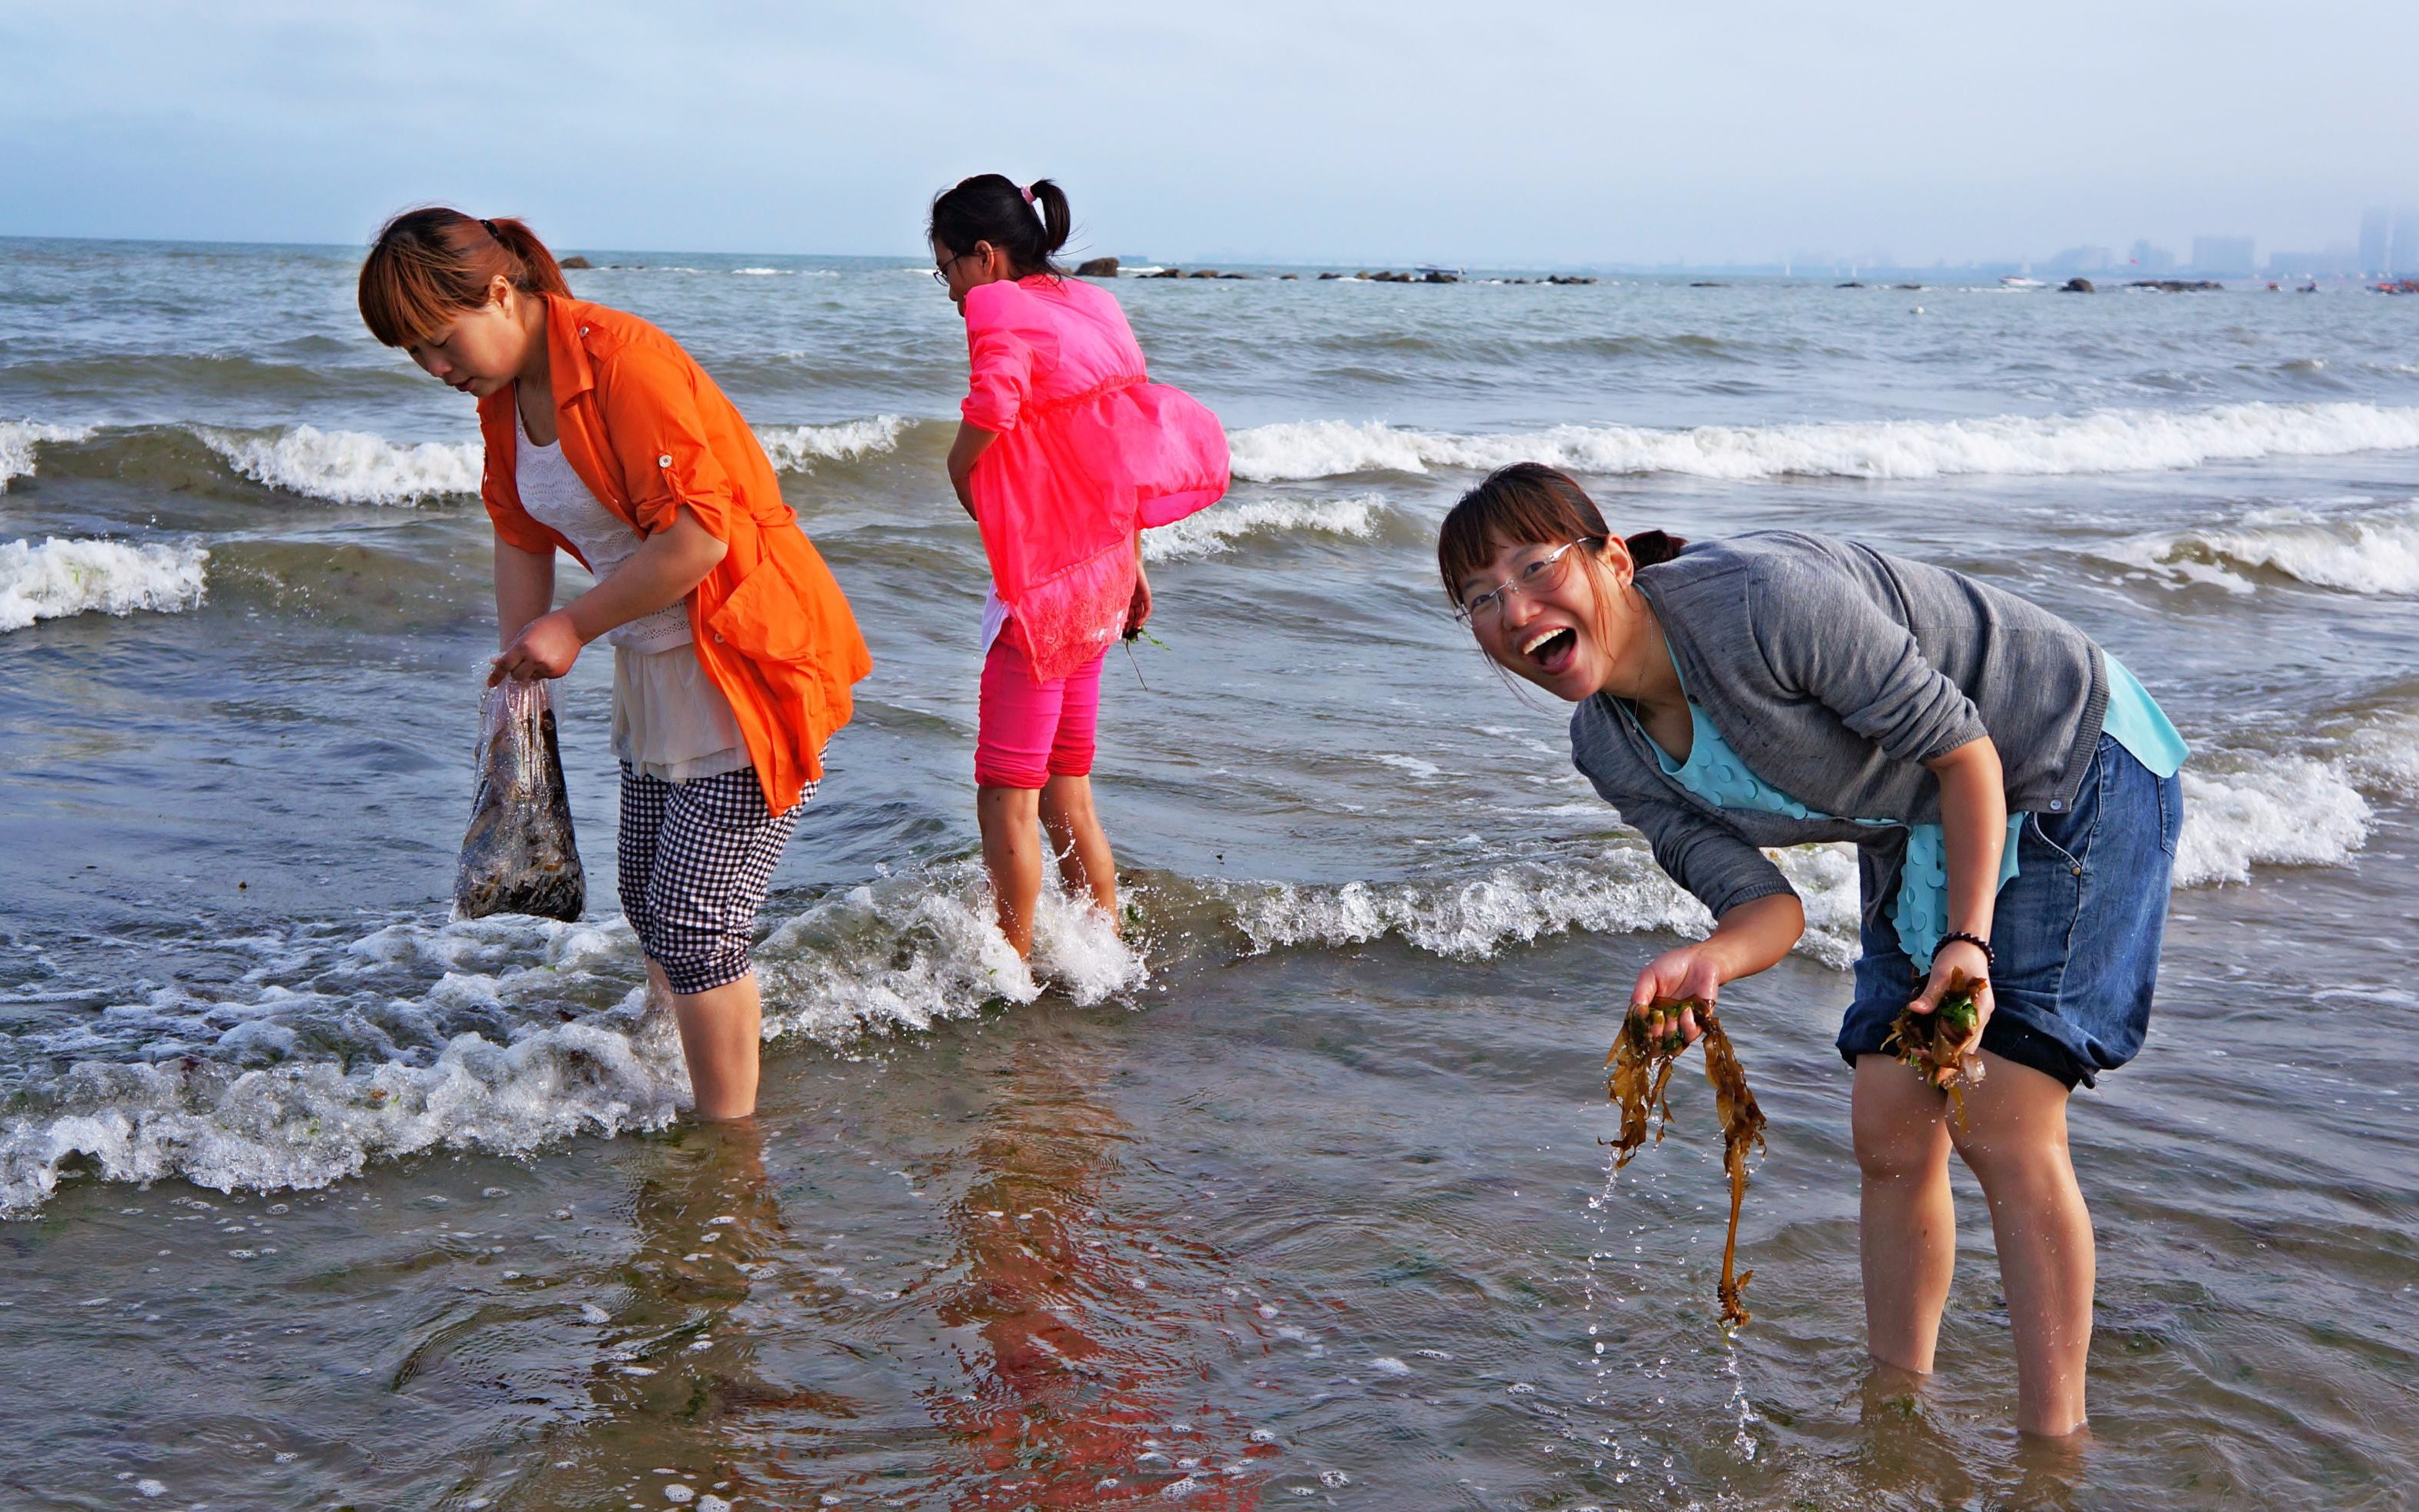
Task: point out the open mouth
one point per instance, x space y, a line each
1551 651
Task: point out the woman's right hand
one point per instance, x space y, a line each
1691 971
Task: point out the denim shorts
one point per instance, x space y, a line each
2076 931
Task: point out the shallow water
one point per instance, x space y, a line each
315 1198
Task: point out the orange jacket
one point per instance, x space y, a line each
648 432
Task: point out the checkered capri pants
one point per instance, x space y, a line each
696 860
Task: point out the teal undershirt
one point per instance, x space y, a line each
1920 913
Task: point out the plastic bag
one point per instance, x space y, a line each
519 856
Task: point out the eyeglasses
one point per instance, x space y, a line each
1541 576
941 274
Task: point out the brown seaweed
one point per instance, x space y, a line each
1639 1080
1945 1045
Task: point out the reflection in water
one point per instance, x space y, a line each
680 1374
1082 1399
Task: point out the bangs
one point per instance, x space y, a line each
1523 504
404 301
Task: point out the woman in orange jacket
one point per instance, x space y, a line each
734 649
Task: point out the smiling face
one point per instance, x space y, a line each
482 351
1564 622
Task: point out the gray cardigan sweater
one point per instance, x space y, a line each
1836 672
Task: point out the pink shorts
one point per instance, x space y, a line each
1033 731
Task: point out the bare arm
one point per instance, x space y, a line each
1749 938
524 589
972 443
1974 833
666 566
1138 607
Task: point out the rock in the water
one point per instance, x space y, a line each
1850 283
1325 276
2077 286
1166 272
1097 268
574 263
1440 276
1203 272
2177 286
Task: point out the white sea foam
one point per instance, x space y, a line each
2374 552
1621 893
2279 810
349 466
798 448
2381 756
761 272
1220 526
63 576
216 1100
18 439
2115 441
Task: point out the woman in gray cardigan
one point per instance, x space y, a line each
2012 792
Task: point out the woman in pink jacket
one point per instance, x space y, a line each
1067 451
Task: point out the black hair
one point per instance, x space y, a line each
1027 224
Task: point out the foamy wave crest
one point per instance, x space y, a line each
1621 892
310 1125
2375 552
18 439
2381 756
2279 810
60 578
456 1036
906 953
1218 528
2116 440
798 448
349 466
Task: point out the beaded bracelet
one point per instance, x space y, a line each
1990 960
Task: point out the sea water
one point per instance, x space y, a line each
1296 1191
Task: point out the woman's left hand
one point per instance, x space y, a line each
1955 956
545 647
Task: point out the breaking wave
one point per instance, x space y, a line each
67 577
503 1034
1622 891
798 448
349 466
1218 528
2311 808
18 439
2373 552
2113 441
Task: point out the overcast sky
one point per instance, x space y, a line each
1299 131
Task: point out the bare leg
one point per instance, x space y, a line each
1907 1224
1011 847
1084 863
721 1032
2015 1144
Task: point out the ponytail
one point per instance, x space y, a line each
1057 221
1030 223
429 266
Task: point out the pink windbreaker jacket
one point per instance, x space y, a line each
1090 451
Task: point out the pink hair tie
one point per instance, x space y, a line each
1027 193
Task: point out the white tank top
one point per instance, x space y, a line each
670 720
554 496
